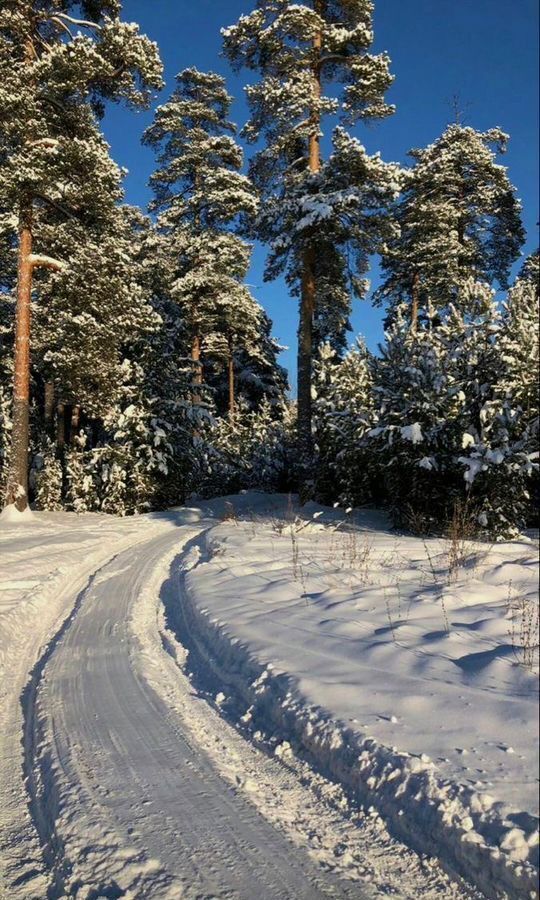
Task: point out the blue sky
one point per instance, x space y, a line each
485 51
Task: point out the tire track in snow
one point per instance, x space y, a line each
122 799
35 775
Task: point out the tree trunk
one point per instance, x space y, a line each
17 486
61 427
49 407
415 301
305 366
230 372
309 291
198 369
75 423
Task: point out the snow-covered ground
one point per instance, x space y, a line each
411 680
46 560
351 651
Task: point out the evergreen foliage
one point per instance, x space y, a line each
313 60
255 450
154 373
58 185
458 218
454 413
344 411
203 202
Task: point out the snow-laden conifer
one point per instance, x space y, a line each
203 201
302 52
458 218
417 412
138 453
530 270
343 414
518 382
241 362
495 467
59 64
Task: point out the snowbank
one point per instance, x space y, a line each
404 676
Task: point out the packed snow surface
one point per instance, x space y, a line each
351 649
419 656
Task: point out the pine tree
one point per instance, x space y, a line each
530 270
89 313
458 218
302 50
519 346
254 451
491 463
242 369
203 201
56 72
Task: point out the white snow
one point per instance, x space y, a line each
406 678
330 640
10 515
46 559
412 433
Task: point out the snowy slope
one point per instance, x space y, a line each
404 680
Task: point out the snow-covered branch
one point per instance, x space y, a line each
80 23
50 143
39 261
332 58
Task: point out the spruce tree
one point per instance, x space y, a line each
530 270
519 345
343 414
302 51
417 424
458 218
518 383
56 72
202 201
489 460
88 314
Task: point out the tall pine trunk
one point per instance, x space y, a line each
197 368
17 485
309 291
230 378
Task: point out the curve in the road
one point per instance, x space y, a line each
126 803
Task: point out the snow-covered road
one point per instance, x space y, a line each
122 798
123 772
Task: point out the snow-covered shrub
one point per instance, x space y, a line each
343 414
450 426
137 469
497 463
519 385
253 450
417 412
46 479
